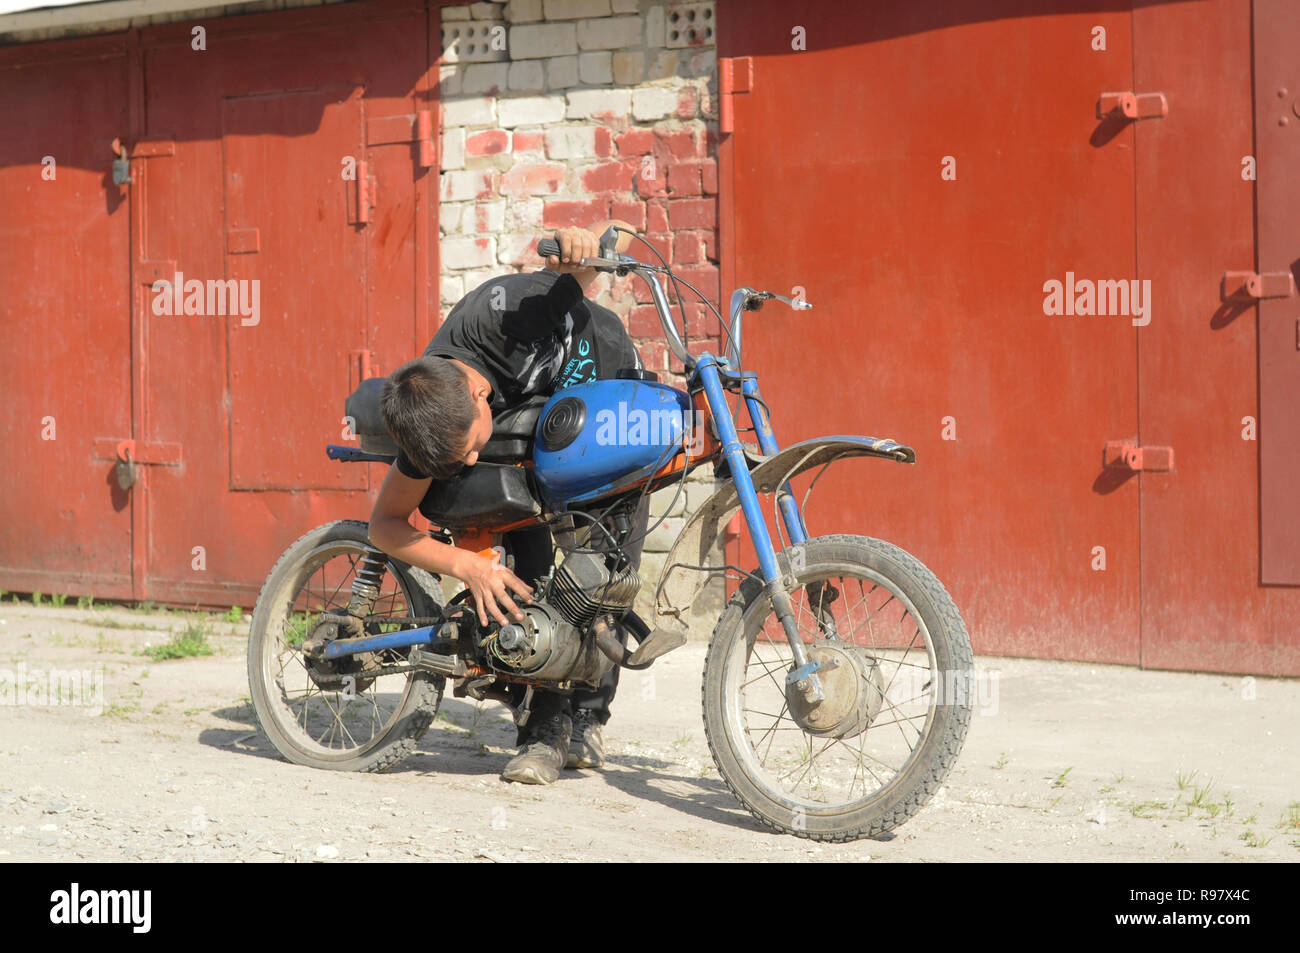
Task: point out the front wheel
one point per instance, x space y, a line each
895 667
364 713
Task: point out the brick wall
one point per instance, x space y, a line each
572 112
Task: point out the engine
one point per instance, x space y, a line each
555 642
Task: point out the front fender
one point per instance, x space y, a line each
678 587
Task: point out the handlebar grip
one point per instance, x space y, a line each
548 247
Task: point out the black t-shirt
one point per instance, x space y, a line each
531 334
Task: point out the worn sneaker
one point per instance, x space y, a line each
543 753
587 742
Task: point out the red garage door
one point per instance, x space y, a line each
952 165
278 172
922 170
65 524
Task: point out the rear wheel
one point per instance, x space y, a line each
895 671
355 714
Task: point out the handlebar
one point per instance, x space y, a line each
742 299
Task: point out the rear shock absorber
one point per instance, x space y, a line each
365 586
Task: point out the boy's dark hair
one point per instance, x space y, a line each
427 409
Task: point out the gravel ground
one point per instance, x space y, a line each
1063 762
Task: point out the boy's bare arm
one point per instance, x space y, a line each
579 243
391 530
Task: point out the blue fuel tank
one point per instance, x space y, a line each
593 438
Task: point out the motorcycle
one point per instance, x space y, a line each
837 682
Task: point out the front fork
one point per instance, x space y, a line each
804 674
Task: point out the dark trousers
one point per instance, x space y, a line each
534 552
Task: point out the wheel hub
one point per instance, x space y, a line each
852 688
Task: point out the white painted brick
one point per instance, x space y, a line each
655 32
596 69
628 67
575 9
448 81
479 275
518 247
570 142
610 33
449 215
489 78
455 13
663 66
453 148
460 253
627 6
530 111
524 214
585 103
523 11
483 217
660 502
486 11
452 288
561 72
653 102
469 111
527 76
467 185
664 532
541 40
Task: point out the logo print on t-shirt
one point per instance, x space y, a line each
579 370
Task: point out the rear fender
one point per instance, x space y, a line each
679 587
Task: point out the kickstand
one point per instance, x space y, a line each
525 708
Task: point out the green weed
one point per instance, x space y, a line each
189 642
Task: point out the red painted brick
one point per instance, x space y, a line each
489 142
684 178
687 103
533 178
643 322
698 347
692 213
607 177
688 248
562 214
656 215
681 143
604 142
631 211
636 142
703 277
709 176
654 353
701 322
528 141
711 245
650 178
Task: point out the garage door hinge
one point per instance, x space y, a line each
735 75
1251 284
1128 455
1128 105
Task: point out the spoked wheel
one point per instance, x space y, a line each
895 668
363 713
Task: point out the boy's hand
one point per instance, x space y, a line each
575 245
491 583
